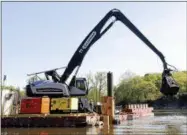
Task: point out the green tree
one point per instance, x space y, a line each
181 78
147 87
97 85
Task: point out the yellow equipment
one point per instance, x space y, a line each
60 105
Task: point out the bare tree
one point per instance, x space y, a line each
101 79
89 78
97 83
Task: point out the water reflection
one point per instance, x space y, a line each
160 125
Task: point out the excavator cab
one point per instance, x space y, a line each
81 83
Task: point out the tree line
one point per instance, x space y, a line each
138 89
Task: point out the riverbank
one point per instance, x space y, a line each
178 102
170 112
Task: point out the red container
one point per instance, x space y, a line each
30 106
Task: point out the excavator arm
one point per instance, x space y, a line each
97 33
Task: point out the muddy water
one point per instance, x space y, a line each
170 124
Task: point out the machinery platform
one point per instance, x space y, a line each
60 120
52 120
131 112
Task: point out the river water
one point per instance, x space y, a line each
161 124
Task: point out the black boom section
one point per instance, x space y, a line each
96 34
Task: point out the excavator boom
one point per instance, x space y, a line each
96 34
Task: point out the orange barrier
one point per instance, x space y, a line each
137 110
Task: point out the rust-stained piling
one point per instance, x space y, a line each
108 108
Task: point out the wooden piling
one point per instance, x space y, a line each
106 121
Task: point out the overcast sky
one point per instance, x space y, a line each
42 36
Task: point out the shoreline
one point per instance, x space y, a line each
170 110
161 112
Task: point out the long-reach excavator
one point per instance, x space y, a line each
57 87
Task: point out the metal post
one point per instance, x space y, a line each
110 84
2 82
2 85
110 97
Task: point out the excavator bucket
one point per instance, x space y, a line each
169 85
